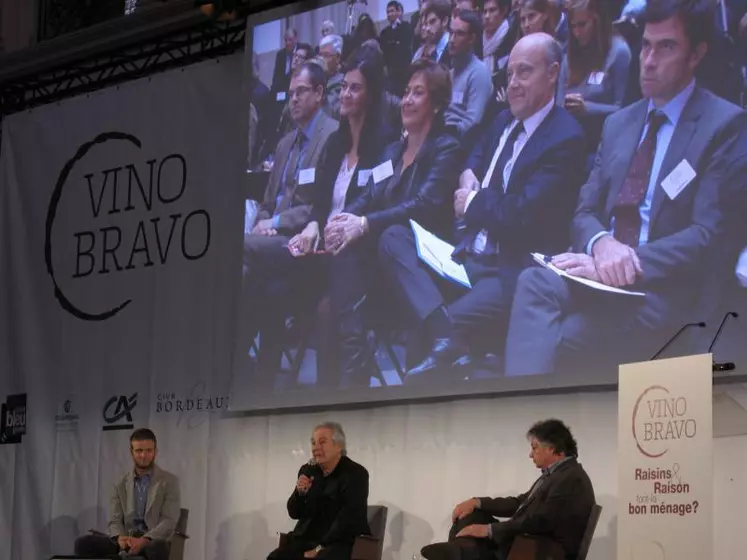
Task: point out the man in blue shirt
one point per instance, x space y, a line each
144 508
652 216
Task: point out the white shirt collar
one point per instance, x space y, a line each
532 123
443 42
560 22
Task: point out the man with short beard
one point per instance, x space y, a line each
434 22
144 508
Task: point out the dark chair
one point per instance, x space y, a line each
527 547
179 540
365 547
371 547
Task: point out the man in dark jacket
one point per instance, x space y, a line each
557 506
330 501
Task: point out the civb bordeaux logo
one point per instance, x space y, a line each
118 412
67 418
118 239
13 420
660 419
192 408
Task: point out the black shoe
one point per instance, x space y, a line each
446 352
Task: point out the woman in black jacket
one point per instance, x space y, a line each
414 180
295 276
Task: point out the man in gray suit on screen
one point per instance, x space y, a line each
653 217
143 509
286 207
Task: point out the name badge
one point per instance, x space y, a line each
280 96
383 171
595 79
307 176
678 179
363 176
457 97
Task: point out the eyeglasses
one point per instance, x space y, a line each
299 92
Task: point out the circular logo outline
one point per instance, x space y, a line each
635 414
54 202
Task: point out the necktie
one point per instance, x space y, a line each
506 153
496 180
626 209
290 175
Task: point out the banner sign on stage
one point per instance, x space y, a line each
665 460
121 214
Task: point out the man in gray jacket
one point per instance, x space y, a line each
472 83
144 508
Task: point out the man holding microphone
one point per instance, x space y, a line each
330 501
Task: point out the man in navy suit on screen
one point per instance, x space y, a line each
515 196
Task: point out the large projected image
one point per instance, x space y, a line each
451 198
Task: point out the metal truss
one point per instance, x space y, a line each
117 59
59 17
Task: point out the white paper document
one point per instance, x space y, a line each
545 261
436 253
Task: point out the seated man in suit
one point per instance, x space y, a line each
653 216
285 122
515 196
434 21
557 506
330 50
330 501
287 203
143 510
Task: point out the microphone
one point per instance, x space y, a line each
677 334
725 366
308 469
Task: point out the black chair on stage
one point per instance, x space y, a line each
527 547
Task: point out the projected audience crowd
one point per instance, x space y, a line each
485 190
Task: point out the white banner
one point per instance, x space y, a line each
665 460
120 244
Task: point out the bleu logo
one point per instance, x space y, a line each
13 419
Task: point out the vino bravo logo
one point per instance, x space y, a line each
120 239
658 419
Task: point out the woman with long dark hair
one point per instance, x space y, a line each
594 75
295 276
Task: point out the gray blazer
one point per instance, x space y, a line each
162 510
685 231
294 216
